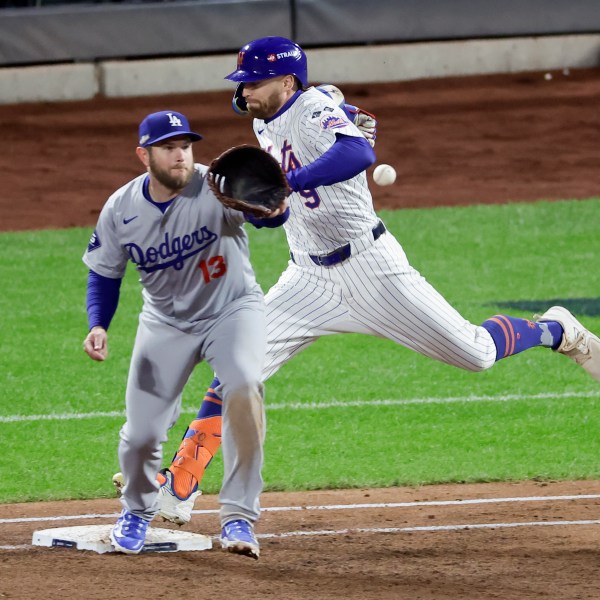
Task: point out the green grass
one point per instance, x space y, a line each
480 258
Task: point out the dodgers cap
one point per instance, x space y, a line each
162 125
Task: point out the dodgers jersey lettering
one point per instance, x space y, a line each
327 217
189 244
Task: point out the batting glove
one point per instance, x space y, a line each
365 121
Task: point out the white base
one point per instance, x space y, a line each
97 539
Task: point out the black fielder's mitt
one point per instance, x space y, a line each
249 179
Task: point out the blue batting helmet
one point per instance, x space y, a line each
270 57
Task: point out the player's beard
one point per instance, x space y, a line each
266 108
172 179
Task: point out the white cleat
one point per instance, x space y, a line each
119 482
577 343
171 507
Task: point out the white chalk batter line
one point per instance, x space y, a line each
469 501
322 405
431 528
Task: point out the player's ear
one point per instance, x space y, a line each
289 82
144 155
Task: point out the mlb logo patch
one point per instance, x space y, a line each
271 58
332 122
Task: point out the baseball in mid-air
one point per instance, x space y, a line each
384 174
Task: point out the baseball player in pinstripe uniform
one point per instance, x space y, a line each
346 272
201 302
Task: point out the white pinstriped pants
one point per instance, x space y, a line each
375 292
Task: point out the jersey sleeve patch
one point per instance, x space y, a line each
333 122
94 242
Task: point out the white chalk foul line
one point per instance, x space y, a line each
468 501
379 530
468 526
322 405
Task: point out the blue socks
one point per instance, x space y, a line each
513 335
212 405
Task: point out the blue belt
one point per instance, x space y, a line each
341 254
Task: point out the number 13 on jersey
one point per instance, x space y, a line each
212 268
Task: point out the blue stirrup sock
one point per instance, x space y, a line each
513 335
212 405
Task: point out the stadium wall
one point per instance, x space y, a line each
78 51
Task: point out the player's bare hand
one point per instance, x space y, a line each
279 210
95 344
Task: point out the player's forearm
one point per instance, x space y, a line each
102 299
348 157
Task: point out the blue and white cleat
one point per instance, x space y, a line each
129 533
238 537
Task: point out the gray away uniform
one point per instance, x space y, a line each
201 302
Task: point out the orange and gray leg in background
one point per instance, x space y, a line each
198 447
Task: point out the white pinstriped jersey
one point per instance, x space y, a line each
193 260
327 217
375 291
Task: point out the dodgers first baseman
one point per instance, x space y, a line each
201 301
346 272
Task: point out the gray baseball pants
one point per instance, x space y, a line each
163 358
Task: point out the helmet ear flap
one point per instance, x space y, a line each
238 101
299 84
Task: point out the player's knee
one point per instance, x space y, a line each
243 417
249 392
145 442
253 390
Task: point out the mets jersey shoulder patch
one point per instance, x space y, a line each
332 122
94 242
